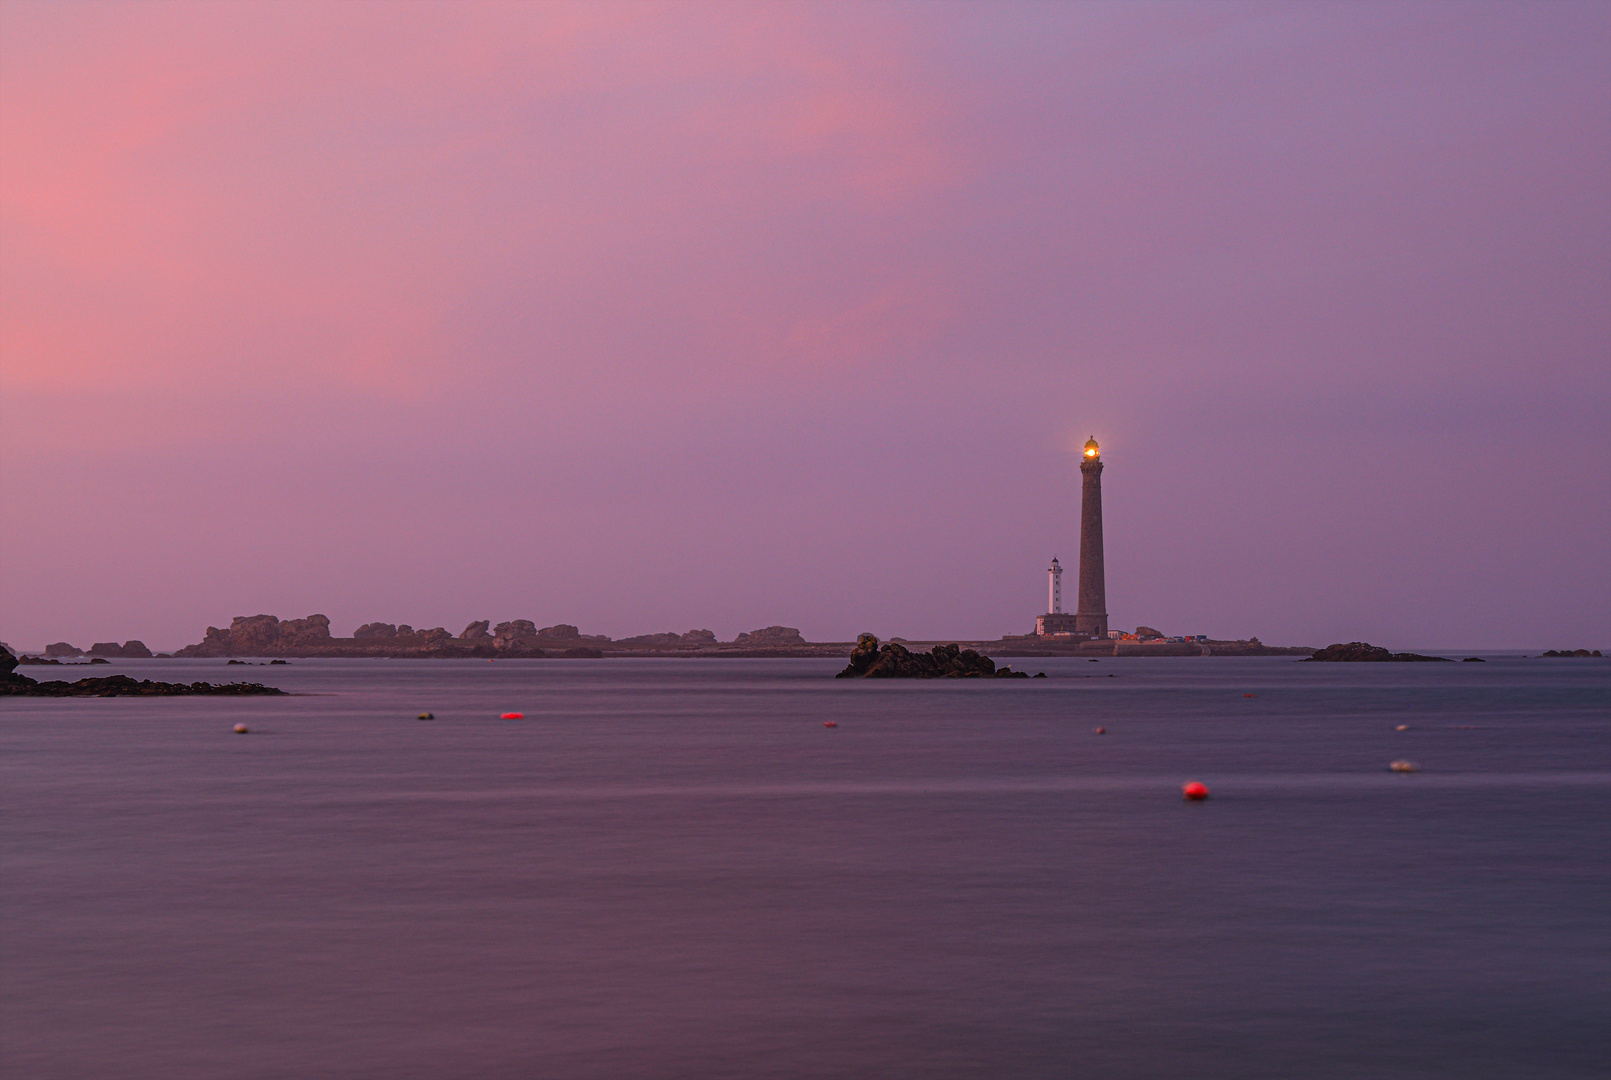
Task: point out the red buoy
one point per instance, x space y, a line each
512 716
1250 695
1194 792
1101 731
830 723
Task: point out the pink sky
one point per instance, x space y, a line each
652 317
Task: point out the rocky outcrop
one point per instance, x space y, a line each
476 631
129 650
560 632
518 637
893 661
1570 652
1145 632
377 631
770 638
693 639
1363 652
62 649
262 635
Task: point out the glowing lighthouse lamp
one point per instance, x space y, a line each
1091 449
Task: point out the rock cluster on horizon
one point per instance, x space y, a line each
129 650
893 661
1364 652
770 638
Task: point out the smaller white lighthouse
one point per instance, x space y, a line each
1054 588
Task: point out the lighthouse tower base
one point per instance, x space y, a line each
1055 623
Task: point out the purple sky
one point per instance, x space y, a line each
656 317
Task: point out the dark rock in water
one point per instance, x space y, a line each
770 637
1364 652
894 661
14 685
1571 653
61 648
98 660
106 648
124 686
273 662
476 631
669 640
1473 660
39 660
241 662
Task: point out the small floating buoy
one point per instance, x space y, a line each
1404 766
830 723
1402 727
1101 731
512 716
1250 695
1194 792
242 729
427 716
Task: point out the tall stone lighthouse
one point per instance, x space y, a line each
1091 617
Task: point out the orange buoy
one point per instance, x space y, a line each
830 723
1101 731
242 729
1194 792
512 716
1402 727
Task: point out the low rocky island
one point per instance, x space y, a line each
869 660
14 685
1363 652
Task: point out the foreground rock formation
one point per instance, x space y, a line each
893 661
1364 652
14 685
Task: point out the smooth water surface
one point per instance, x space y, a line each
674 869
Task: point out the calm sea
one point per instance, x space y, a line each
674 869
